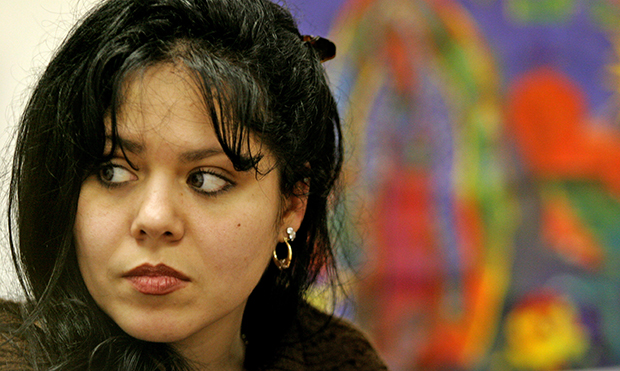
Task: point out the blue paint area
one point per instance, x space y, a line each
315 17
573 46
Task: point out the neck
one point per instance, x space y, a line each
222 350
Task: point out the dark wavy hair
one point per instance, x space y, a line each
258 77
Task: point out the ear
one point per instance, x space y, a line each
294 208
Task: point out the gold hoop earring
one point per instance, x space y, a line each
283 264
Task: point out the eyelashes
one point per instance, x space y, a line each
111 175
208 182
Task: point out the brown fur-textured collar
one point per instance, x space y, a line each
315 342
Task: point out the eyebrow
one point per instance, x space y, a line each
197 155
186 157
127 144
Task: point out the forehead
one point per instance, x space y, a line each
161 104
161 94
165 101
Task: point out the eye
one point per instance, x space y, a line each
111 175
208 182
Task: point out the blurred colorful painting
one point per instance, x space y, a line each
483 179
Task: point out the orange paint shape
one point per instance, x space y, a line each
566 234
548 114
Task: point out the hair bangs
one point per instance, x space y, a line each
236 103
233 99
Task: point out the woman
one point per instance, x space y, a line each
169 196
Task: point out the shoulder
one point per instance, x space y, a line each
323 342
12 347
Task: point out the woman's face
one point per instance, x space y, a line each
171 247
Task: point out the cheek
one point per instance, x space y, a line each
88 251
243 245
90 231
96 231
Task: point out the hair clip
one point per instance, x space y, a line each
324 47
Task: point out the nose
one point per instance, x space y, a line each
157 216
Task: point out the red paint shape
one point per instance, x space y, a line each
399 61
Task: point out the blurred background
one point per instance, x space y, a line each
482 185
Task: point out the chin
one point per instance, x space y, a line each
156 334
154 327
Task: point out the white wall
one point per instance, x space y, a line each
29 32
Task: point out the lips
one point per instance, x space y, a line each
156 279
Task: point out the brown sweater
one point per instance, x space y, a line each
314 343
320 343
